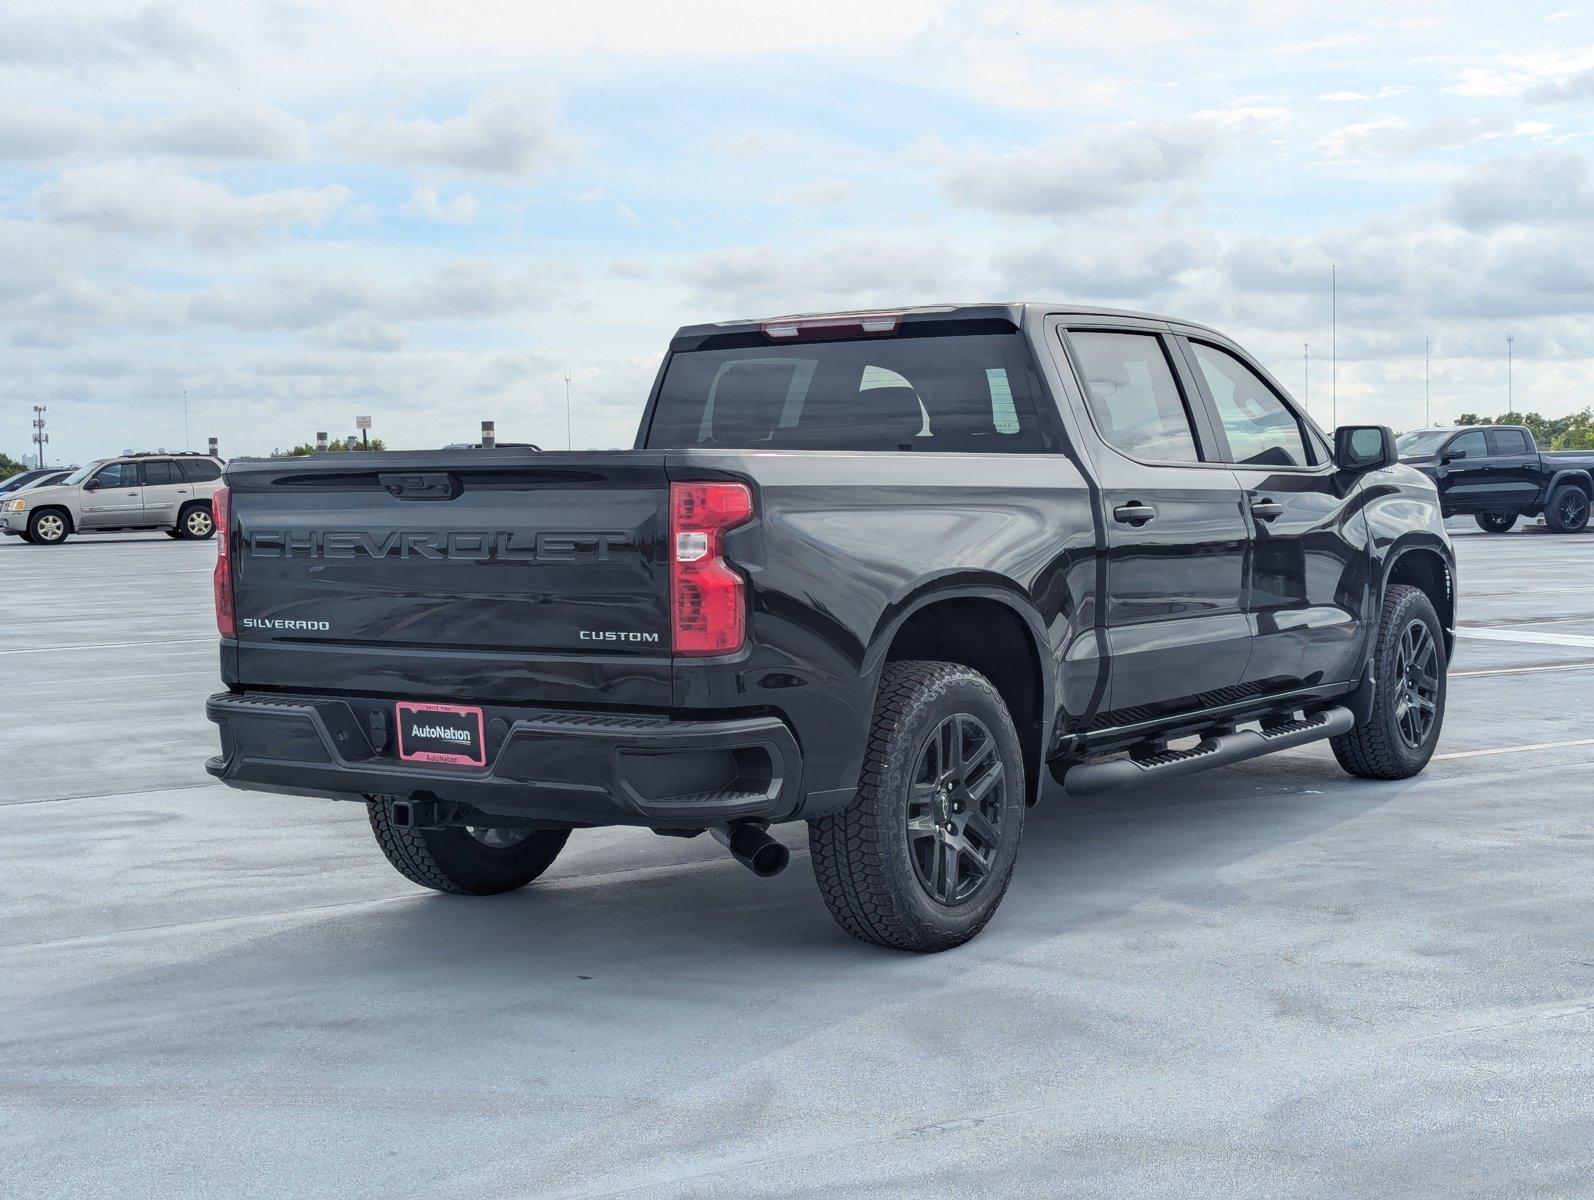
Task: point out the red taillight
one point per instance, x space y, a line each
877 324
708 598
220 508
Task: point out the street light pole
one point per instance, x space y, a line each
1510 347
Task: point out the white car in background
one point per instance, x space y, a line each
170 492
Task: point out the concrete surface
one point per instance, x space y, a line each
1271 980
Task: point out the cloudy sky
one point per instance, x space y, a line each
296 213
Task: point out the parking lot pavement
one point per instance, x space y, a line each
1269 980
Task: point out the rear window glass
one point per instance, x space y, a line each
200 470
1509 441
942 392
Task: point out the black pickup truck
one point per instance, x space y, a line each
898 575
1497 473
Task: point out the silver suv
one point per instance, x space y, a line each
132 491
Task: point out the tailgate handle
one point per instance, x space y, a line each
431 485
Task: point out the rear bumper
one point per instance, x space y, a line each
562 767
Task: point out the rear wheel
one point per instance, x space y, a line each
48 527
464 861
1567 511
1496 522
1409 669
195 522
922 857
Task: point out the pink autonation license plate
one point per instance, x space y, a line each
440 733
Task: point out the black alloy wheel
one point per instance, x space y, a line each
1571 508
955 809
1417 677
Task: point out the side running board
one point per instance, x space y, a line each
1088 778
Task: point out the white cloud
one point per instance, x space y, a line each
510 131
461 289
242 130
131 198
1113 166
424 202
49 35
1548 185
1398 136
860 271
1383 93
231 131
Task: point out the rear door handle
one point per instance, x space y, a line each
1266 510
1134 514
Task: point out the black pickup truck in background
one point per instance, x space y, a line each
1496 473
897 575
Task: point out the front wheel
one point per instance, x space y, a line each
922 857
1567 511
1409 668
464 861
47 527
1496 522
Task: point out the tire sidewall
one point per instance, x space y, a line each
1414 605
1552 512
33 528
946 698
182 524
485 870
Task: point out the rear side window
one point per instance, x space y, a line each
157 473
200 470
1468 445
1508 441
1133 397
919 391
1262 431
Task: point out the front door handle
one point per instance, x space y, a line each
1135 514
1266 510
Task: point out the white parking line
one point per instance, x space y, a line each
1513 749
1577 666
111 645
1528 636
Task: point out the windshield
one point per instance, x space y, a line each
83 472
1420 442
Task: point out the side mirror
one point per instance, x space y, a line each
1450 456
92 485
1364 447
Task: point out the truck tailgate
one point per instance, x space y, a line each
488 575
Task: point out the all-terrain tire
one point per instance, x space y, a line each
1377 749
49 527
1567 511
1496 522
862 859
453 860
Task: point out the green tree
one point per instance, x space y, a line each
304 449
10 466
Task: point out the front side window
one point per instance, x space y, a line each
1262 431
1133 396
928 388
1468 445
119 475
